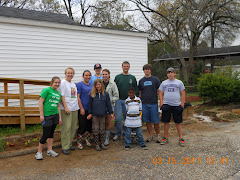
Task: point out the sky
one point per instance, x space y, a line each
237 41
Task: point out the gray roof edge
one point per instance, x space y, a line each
25 14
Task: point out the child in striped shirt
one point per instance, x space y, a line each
133 119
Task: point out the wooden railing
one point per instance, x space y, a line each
19 115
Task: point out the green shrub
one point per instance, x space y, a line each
222 86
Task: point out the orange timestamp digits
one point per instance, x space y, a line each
189 160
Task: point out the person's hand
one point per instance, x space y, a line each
182 104
67 111
41 119
113 117
160 105
60 121
82 111
89 116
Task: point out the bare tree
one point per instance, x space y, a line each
41 5
180 23
17 3
111 14
82 8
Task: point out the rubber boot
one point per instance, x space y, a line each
107 135
97 142
79 141
102 137
87 138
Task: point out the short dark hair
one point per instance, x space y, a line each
106 70
85 72
147 66
132 89
125 62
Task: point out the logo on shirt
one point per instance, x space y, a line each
130 81
73 93
147 83
170 89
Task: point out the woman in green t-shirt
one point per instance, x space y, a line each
49 108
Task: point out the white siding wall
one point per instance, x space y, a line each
38 52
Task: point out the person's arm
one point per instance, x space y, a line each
40 103
109 106
139 88
67 111
126 105
140 108
115 93
108 103
135 86
90 107
182 98
59 111
160 94
139 94
82 111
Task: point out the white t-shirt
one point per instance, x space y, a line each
172 89
69 91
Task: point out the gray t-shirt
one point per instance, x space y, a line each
172 89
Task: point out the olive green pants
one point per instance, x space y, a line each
68 128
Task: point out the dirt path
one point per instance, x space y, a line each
204 140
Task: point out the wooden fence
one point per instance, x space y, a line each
19 115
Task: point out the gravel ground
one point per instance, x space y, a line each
203 140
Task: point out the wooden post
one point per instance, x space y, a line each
22 109
5 92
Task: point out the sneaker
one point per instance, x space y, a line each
127 148
158 139
52 153
39 156
149 139
181 142
116 137
164 141
133 133
144 147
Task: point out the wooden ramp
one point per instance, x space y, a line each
19 115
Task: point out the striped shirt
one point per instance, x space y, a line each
133 118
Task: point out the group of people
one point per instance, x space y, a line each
97 100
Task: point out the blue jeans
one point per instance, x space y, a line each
139 133
120 109
150 113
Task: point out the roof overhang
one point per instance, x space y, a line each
27 22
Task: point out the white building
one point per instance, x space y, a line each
40 45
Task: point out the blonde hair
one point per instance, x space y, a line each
70 69
94 89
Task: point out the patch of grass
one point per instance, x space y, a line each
1 145
192 94
6 130
196 103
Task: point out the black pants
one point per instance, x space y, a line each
48 132
49 125
84 124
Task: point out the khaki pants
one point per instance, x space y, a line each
68 128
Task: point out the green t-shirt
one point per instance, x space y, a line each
52 98
124 82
